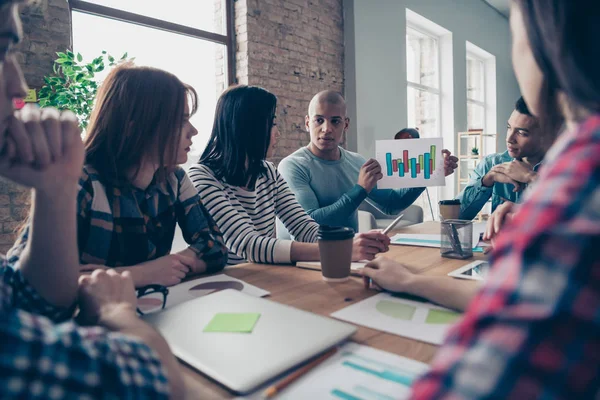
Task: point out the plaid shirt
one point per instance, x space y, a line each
127 226
44 360
533 331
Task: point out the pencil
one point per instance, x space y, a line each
279 386
392 225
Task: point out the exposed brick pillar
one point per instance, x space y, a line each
293 48
47 29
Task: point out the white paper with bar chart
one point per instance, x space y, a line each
356 372
359 372
410 163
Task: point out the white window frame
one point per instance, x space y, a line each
429 89
489 91
445 91
475 57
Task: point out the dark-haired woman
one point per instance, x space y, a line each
244 193
132 193
533 331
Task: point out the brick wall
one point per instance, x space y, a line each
47 30
293 48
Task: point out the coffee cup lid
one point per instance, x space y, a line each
327 232
453 202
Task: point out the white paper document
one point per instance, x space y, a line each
358 372
417 239
422 321
200 287
410 163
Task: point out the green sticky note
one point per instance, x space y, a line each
441 317
232 322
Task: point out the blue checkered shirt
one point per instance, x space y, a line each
43 359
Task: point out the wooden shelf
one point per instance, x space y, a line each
467 141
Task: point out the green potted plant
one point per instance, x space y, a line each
475 151
73 85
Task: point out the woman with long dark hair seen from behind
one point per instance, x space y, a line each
533 331
132 192
244 193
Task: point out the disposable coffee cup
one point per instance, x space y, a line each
335 246
449 209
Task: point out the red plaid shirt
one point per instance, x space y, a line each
533 331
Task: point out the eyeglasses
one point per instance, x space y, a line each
151 298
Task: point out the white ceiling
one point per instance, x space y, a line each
501 5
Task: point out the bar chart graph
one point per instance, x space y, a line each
422 164
358 372
410 163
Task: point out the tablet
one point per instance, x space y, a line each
476 271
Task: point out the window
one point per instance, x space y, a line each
475 93
423 80
429 91
189 38
481 114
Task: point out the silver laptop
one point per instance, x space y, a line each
282 338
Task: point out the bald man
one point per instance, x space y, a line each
331 182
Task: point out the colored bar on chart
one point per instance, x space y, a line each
395 165
427 169
431 166
413 167
405 160
340 394
387 375
401 169
432 151
388 162
421 165
418 169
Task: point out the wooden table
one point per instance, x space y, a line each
306 290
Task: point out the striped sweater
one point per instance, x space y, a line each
247 218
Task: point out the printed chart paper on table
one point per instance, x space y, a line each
199 287
358 372
410 163
355 372
413 319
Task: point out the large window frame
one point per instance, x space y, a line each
425 88
228 39
472 101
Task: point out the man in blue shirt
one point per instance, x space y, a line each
504 176
331 182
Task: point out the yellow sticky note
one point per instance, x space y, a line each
31 96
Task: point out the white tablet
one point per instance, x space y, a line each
477 271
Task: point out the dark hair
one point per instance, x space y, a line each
563 38
414 134
241 135
138 110
522 108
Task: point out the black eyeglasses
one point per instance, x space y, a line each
151 298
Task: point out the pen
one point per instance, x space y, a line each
278 387
393 224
